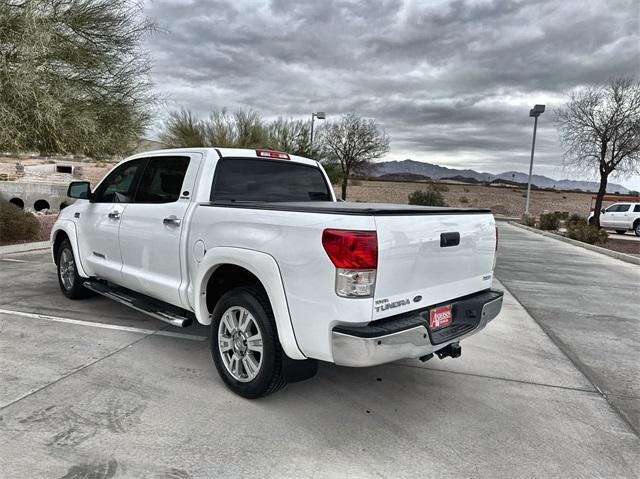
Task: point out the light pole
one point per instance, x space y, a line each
320 115
535 112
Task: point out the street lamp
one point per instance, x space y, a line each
320 116
535 112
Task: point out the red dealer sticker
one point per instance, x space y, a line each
440 317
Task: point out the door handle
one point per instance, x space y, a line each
172 221
114 215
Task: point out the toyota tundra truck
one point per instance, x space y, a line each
254 244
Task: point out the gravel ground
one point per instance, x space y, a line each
622 246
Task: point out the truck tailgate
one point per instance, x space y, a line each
431 258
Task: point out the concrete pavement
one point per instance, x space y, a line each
78 400
588 303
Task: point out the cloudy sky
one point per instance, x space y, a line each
452 82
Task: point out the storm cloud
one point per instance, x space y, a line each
451 81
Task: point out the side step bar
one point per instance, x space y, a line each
163 311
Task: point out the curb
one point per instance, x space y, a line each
627 258
20 248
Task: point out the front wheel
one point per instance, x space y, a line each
636 228
244 343
68 278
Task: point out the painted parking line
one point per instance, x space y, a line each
129 329
13 260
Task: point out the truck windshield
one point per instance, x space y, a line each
238 179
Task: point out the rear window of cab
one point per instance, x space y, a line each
268 180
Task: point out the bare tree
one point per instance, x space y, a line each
73 76
600 131
352 143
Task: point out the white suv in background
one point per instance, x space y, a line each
621 217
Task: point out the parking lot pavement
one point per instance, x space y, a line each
628 236
81 399
587 303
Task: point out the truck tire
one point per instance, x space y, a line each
245 345
636 228
68 278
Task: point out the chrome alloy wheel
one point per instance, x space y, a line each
240 343
67 269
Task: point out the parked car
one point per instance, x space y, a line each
620 217
254 244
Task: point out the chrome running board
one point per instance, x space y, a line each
157 309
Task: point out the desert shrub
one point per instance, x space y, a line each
549 221
463 199
500 210
530 221
574 220
562 215
46 224
579 229
466 190
16 225
439 187
429 197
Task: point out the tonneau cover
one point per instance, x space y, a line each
346 208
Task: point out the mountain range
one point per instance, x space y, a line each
437 172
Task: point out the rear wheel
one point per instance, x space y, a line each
245 345
68 278
636 228
621 232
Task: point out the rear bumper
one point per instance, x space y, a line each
408 335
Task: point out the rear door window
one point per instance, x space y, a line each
268 180
636 209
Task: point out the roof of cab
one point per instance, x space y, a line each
224 153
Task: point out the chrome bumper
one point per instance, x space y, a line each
357 351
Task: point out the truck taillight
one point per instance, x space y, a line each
355 256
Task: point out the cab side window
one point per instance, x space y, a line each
616 208
119 186
162 180
636 209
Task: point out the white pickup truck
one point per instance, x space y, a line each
621 217
254 244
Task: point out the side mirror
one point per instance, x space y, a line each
80 190
602 211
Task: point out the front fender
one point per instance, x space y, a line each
266 269
69 228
